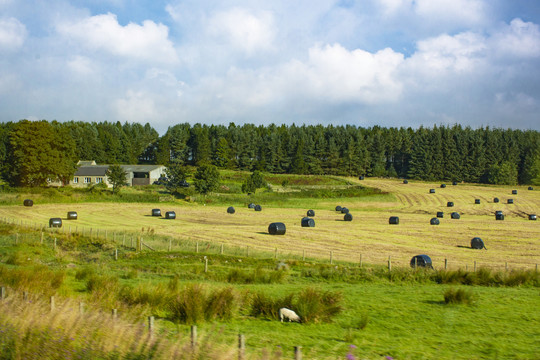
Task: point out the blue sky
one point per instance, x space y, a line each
371 62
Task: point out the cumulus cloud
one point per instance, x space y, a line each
12 34
148 42
468 12
518 39
136 106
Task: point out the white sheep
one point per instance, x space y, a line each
285 313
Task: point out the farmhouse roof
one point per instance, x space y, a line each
100 170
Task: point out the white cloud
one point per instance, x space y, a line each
81 65
243 29
103 32
12 34
136 106
519 39
458 11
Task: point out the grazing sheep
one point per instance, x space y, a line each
285 313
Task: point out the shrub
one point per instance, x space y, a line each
264 306
84 273
458 296
314 305
103 288
39 279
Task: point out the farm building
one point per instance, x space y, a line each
90 173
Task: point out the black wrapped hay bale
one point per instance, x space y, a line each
28 202
170 215
338 208
394 220
530 188
361 177
477 243
510 201
454 183
251 205
421 261
344 210
495 200
276 228
455 215
156 212
440 214
55 222
434 221
405 181
347 217
477 201
72 215
432 191
532 217
450 204
514 192
308 222
443 186
258 208
499 215
230 210
310 213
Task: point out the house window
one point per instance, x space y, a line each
99 180
87 180
75 180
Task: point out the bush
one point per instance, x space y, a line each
458 296
38 279
264 306
314 305
103 288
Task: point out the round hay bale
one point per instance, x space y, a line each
251 206
230 210
496 200
156 212
361 177
450 204
454 183
432 191
338 208
55 222
28 202
455 215
310 213
443 186
530 188
510 201
434 221
477 243
72 215
170 215
405 181
258 208
308 222
514 192
477 201
532 217
276 228
344 210
394 220
347 217
440 214
421 261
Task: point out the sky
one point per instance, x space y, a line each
390 63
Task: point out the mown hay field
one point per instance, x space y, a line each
514 241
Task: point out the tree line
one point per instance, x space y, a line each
32 151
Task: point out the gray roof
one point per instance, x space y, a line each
100 170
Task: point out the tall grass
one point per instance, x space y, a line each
459 296
36 278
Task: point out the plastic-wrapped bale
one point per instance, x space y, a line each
499 215
394 220
55 222
230 210
170 215
434 221
310 213
454 183
308 222
405 181
514 192
72 215
510 201
251 206
432 191
495 200
347 217
338 208
258 208
477 201
276 228
28 202
477 243
532 217
530 188
361 177
443 186
156 212
450 204
455 215
421 261
440 214
344 210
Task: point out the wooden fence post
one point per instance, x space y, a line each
2 292
193 336
205 264
297 353
52 303
241 346
170 245
115 254
445 264
197 247
221 250
275 253
55 243
151 324
389 263
41 238
114 314
25 295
